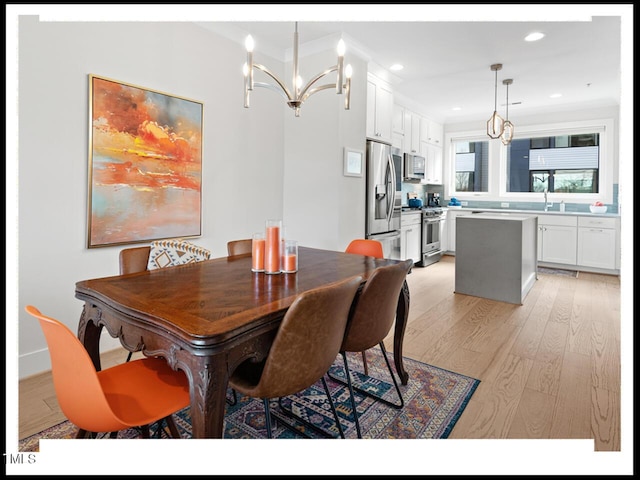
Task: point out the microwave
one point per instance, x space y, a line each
414 166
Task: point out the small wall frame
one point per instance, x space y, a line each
353 160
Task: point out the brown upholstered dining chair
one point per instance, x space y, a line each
370 322
134 260
306 345
239 247
371 248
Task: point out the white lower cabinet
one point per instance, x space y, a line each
557 239
444 231
597 242
411 231
452 214
589 242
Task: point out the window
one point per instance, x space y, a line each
574 160
563 164
472 166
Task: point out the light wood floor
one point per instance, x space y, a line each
548 369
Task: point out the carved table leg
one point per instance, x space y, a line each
208 380
89 333
402 314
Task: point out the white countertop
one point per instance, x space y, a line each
532 212
498 216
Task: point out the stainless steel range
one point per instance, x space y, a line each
431 248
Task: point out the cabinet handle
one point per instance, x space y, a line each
596 230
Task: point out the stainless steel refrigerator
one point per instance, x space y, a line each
384 197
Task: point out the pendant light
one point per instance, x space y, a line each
508 128
495 125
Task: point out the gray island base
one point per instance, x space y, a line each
496 256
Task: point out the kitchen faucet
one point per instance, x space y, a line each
546 203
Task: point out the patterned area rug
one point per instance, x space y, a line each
434 400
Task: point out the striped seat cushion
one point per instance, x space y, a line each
169 253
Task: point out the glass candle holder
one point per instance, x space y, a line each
272 246
290 256
257 252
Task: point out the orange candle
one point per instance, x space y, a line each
290 263
257 254
272 249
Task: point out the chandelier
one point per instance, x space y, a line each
507 128
495 124
298 93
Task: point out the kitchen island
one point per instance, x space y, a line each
496 256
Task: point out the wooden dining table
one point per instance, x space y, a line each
206 318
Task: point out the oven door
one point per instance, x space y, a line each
431 251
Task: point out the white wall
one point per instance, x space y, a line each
324 208
244 180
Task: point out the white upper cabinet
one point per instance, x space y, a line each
398 127
398 119
434 133
416 120
379 110
433 167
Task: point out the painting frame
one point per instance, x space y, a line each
353 162
145 164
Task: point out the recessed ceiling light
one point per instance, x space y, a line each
532 37
456 109
396 66
555 95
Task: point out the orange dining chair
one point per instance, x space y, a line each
306 345
239 247
370 248
132 394
370 322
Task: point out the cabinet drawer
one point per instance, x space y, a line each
411 219
561 220
598 222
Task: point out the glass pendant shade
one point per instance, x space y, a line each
507 132
495 124
508 128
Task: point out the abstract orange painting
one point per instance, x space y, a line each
145 164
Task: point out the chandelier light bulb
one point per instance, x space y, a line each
249 43
348 71
341 48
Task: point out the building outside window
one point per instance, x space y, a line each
562 164
472 166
